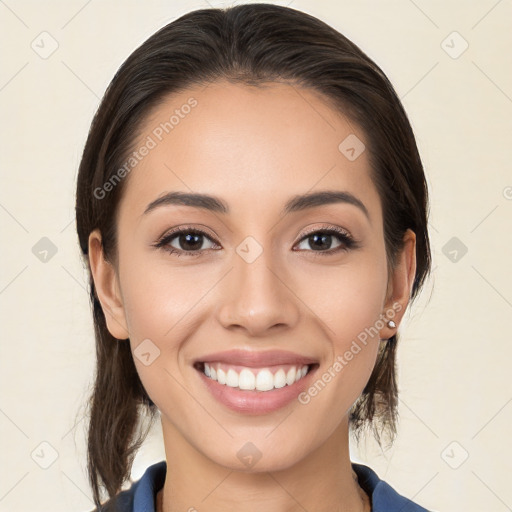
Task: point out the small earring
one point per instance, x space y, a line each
391 324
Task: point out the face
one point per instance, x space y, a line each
260 280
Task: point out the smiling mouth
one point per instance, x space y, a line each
244 378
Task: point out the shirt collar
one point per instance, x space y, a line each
383 497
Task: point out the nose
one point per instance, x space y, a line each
257 298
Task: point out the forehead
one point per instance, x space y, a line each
253 146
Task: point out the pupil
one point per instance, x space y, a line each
190 241
324 241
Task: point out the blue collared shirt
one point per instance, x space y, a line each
141 496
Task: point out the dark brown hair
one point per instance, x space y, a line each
247 44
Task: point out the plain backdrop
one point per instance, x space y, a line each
450 62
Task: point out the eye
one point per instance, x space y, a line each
188 241
191 241
321 241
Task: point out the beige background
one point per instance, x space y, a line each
456 345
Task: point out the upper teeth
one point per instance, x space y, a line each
263 380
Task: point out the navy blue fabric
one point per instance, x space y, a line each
384 497
140 497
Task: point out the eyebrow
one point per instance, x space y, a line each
295 204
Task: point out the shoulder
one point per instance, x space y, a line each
384 497
141 494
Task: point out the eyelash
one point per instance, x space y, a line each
347 241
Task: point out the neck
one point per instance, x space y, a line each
322 481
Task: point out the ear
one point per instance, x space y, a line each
107 288
400 283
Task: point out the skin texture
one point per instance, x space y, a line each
255 148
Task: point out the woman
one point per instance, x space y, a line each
252 209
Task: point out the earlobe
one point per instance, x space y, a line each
107 288
400 285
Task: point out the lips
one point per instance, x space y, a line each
255 382
256 359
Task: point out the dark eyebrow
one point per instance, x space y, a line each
295 204
313 199
204 201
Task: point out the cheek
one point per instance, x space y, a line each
160 299
347 299
165 304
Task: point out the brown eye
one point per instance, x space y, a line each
321 241
186 241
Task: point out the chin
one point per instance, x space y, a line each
259 454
